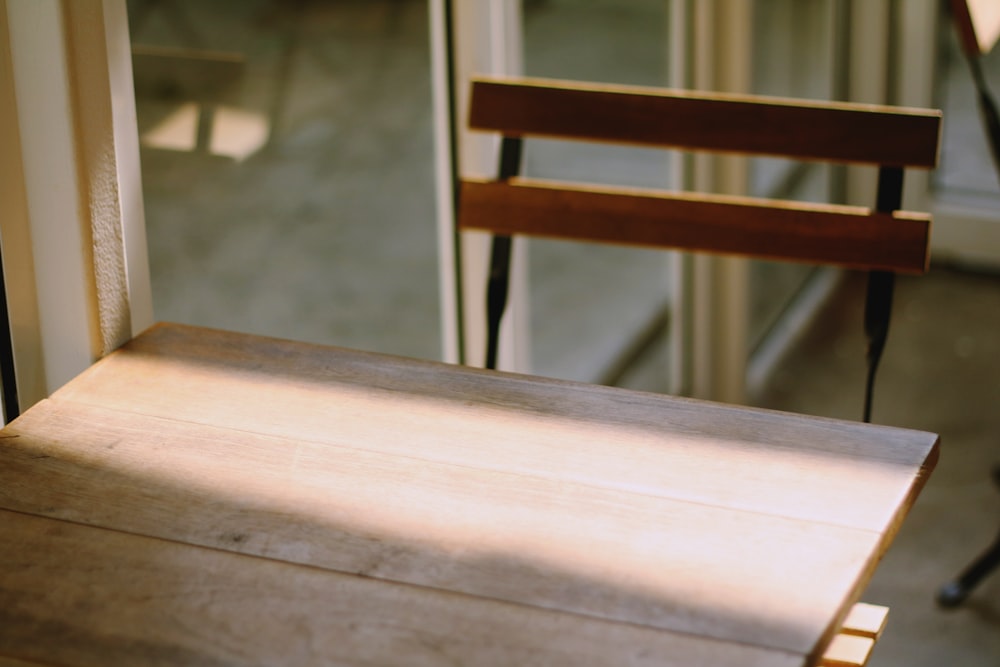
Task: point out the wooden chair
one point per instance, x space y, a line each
882 240
978 29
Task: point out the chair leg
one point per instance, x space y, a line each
496 295
511 149
954 593
878 300
878 311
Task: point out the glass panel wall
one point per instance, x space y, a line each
966 173
288 168
590 303
794 56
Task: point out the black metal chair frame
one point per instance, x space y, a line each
878 304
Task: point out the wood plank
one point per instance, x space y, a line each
611 554
808 130
848 651
837 472
846 236
74 595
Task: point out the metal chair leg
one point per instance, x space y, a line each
498 282
955 592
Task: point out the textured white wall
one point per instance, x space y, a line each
91 108
72 117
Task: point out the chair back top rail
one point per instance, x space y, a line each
801 129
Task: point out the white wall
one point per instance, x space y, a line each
73 235
487 40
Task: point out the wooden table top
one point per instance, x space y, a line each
208 498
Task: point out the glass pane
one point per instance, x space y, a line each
590 302
287 167
793 57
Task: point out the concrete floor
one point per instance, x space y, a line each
940 373
324 231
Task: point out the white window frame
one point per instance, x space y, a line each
484 37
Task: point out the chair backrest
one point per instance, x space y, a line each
880 239
856 237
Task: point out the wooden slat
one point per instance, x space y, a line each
844 236
736 527
837 472
848 651
15 662
73 595
827 131
866 620
603 553
262 417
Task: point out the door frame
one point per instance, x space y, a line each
74 244
467 37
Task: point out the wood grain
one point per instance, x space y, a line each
851 237
718 527
73 595
15 662
551 544
838 472
808 130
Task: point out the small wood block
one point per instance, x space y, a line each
847 651
866 620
